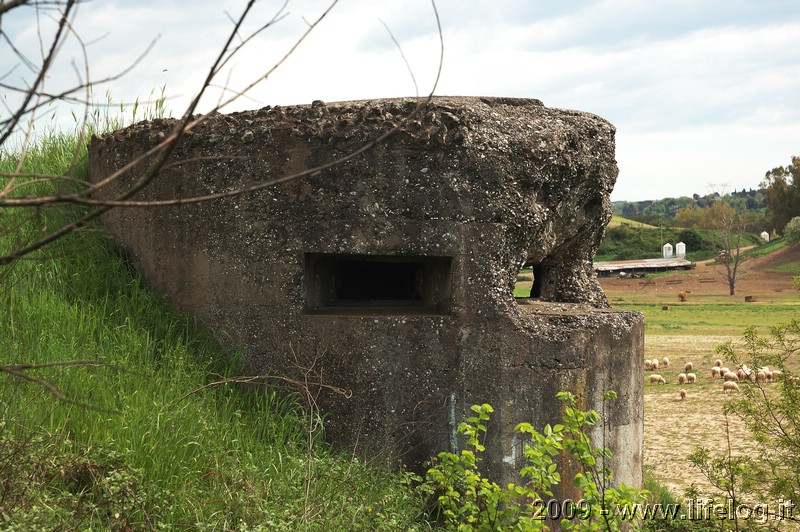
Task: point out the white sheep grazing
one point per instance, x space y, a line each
682 394
776 373
665 362
691 378
648 364
723 370
657 379
681 378
730 386
761 376
654 364
745 374
688 367
730 377
715 372
718 363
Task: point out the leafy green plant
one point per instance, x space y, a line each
467 500
792 231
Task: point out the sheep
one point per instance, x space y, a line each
718 363
776 373
730 386
657 379
761 376
647 365
682 393
681 378
688 367
745 374
730 376
683 296
654 364
691 378
665 362
715 372
723 370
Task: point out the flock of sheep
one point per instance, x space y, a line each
730 378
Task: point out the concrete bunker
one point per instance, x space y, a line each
393 273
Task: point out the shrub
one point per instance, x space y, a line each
466 500
792 231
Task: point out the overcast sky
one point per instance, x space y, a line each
704 93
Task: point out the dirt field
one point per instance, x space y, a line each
755 278
673 428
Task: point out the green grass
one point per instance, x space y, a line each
625 242
139 445
765 249
792 268
617 220
712 319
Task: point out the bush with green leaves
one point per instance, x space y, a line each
467 500
792 231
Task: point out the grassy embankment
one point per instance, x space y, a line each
137 444
617 220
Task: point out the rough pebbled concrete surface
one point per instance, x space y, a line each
482 185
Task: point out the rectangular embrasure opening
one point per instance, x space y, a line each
379 284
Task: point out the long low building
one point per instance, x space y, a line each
641 266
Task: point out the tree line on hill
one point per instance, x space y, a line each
770 207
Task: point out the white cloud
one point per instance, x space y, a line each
704 88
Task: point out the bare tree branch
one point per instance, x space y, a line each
47 63
162 150
20 371
11 4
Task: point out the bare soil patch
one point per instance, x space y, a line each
704 280
674 428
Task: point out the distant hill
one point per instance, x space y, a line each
653 211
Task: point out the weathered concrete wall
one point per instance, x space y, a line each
448 209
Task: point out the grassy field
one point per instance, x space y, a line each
136 442
712 319
616 221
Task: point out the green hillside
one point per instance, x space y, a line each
116 414
626 242
617 220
